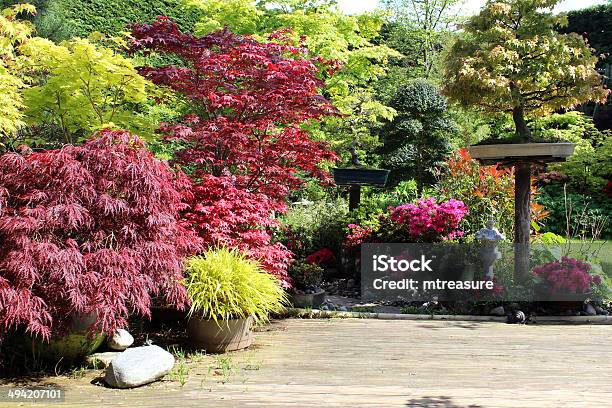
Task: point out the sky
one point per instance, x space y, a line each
470 7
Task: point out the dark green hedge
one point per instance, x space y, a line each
595 23
62 19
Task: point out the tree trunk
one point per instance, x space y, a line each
522 220
518 115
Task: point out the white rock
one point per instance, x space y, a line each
101 360
121 340
138 366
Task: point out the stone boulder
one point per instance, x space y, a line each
138 366
121 340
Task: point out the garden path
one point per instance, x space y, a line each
383 363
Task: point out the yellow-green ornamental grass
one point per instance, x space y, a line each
224 284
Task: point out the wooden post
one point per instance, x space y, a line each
354 197
522 220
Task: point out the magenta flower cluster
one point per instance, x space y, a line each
429 220
357 235
567 276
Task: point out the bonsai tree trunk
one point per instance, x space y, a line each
522 201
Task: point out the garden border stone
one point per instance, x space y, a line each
322 314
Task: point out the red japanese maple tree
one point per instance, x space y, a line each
89 229
243 145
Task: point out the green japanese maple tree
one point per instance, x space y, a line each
84 87
511 59
13 34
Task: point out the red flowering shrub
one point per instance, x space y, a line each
567 276
486 190
243 146
323 256
88 229
358 235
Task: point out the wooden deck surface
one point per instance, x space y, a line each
378 363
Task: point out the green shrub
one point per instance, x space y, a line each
418 139
224 284
589 214
304 274
487 191
307 228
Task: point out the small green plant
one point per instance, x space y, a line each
224 284
364 309
181 373
410 310
305 275
224 366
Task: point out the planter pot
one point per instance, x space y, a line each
361 177
308 300
222 336
524 151
77 344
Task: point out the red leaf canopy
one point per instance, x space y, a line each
89 229
244 144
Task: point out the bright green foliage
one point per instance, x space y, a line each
511 59
330 34
419 30
572 126
13 34
589 169
307 228
242 16
417 140
84 87
224 284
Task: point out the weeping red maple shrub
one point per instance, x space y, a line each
243 144
89 229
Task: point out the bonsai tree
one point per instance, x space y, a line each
417 140
512 60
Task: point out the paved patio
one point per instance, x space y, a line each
383 363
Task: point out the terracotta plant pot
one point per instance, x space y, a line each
221 336
308 300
